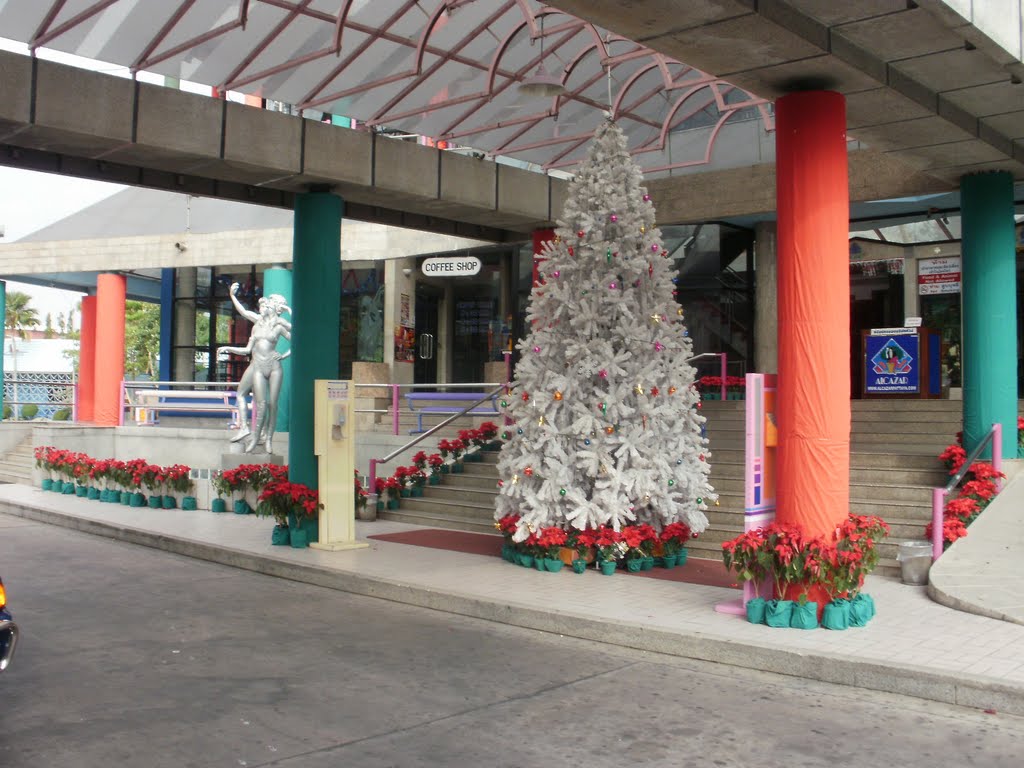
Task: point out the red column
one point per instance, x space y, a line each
540 236
110 298
87 361
813 202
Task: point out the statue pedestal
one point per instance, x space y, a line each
235 460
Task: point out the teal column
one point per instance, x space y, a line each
989 292
279 280
316 288
3 314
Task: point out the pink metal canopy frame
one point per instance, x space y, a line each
445 69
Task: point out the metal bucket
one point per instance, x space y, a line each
915 558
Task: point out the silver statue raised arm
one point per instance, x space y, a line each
264 374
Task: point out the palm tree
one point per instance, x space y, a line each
19 317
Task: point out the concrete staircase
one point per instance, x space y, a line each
16 465
894 466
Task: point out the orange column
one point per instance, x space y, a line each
87 361
813 480
109 357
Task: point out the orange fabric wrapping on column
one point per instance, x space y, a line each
813 201
87 361
110 297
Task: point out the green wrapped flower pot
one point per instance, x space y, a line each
681 557
457 467
68 489
189 503
862 608
393 503
553 564
155 502
137 500
779 613
93 494
756 609
104 495
805 616
126 498
579 566
81 491
168 502
538 563
635 564
242 507
405 493
668 561
218 505
47 484
298 538
280 536
648 564
526 560
434 480
445 469
836 615
607 567
381 504
416 491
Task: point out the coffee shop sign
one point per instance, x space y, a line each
442 266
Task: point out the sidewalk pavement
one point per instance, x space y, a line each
913 646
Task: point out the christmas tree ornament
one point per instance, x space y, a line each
679 461
658 346
506 436
613 218
528 471
540 421
561 491
671 481
586 441
639 389
519 431
558 395
654 391
647 198
671 390
515 479
526 397
613 286
557 273
656 317
536 350
501 483
504 403
580 234
603 373
609 429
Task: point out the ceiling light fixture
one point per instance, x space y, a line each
541 83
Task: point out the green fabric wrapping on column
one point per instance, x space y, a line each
279 280
316 290
989 293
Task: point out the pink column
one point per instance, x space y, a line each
87 361
110 300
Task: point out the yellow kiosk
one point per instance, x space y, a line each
334 444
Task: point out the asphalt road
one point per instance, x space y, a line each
134 657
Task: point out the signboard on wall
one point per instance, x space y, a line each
892 362
935 276
451 266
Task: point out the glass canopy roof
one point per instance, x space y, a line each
445 69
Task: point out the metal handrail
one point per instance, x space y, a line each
372 476
995 435
723 357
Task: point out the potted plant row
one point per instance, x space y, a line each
815 580
632 547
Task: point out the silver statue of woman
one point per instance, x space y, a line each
264 375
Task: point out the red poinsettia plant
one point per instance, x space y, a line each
550 540
674 537
281 498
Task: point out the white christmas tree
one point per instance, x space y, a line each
605 423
